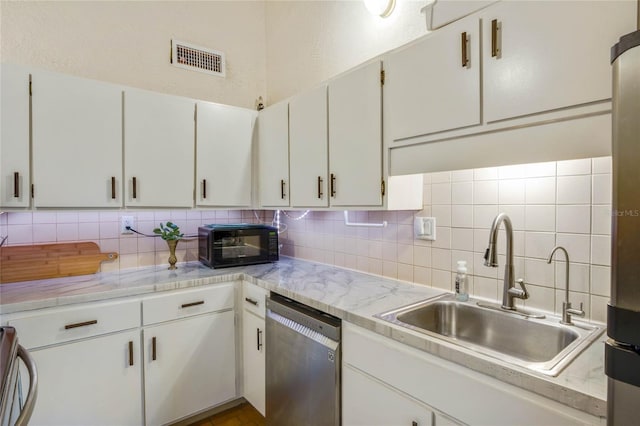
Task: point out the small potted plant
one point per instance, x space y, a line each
171 234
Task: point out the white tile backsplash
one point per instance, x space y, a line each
555 203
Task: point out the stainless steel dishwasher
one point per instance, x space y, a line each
303 365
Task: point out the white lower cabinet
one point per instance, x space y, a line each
369 402
189 366
92 382
253 341
253 359
457 395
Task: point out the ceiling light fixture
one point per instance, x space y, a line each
382 8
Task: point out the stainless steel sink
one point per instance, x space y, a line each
542 345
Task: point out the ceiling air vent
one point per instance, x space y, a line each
196 58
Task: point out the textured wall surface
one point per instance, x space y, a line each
311 41
128 42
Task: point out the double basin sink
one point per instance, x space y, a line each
543 345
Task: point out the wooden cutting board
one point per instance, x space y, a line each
37 262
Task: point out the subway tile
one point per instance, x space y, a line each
487 173
601 220
541 298
426 178
517 215
405 272
486 288
109 216
538 244
601 164
480 240
511 172
540 169
19 218
441 279
467 256
577 245
88 231
44 233
602 189
110 244
539 272
462 193
518 243
540 218
574 167
390 216
441 193
427 197
462 175
351 261
440 177
390 232
405 253
67 217
601 280
128 245
485 192
442 213
574 219
462 239
599 308
405 217
67 231
443 238
375 249
375 267
511 191
44 217
601 250
390 269
405 234
20 234
421 275
540 190
422 256
574 190
579 275
390 252
462 216
483 271
440 259
483 216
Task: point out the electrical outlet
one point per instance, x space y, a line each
127 221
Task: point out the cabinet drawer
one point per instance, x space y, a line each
253 298
60 325
186 303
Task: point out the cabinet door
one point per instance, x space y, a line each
433 85
14 136
355 137
273 155
90 382
159 143
77 142
223 163
368 402
308 148
253 341
193 368
550 55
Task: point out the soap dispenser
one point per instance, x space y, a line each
462 287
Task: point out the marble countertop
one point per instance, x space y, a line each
353 296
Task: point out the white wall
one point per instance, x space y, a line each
311 41
128 42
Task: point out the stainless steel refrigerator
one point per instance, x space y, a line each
622 351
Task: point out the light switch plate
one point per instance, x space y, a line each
425 228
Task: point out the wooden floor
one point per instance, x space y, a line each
241 415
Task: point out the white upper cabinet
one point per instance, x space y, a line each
159 143
433 85
77 142
546 55
14 137
224 159
308 148
355 137
273 155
